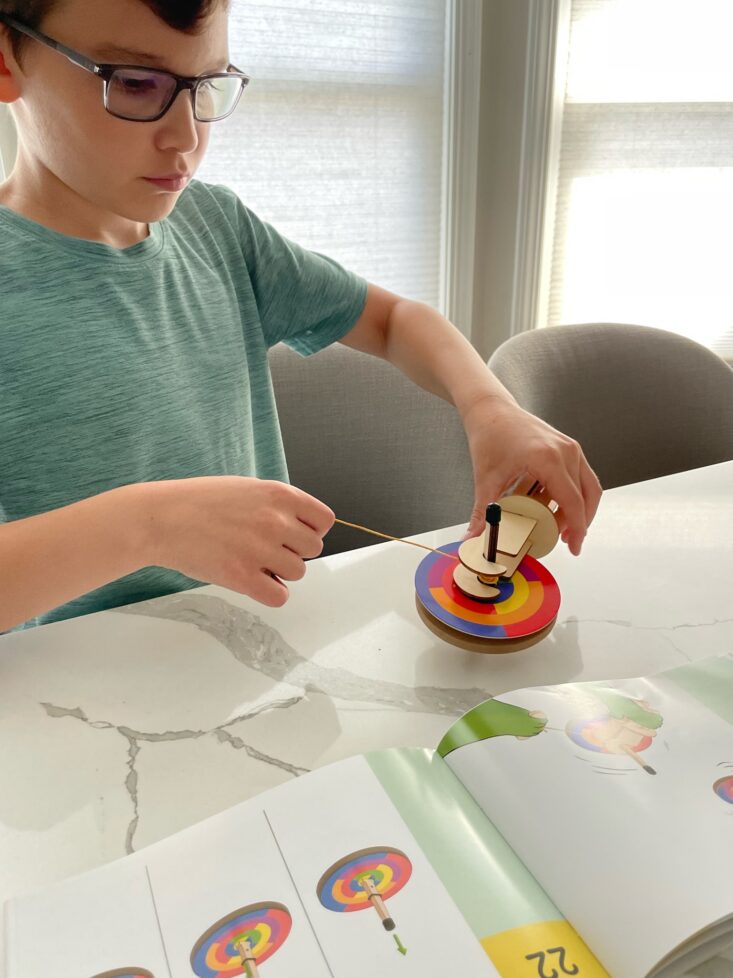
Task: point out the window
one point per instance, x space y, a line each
7 141
644 208
339 139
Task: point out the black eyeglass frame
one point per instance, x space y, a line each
106 71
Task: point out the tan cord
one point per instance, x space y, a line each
386 536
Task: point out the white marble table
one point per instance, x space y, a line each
119 728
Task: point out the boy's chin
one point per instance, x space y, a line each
155 208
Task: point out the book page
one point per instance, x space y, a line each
521 930
619 797
319 877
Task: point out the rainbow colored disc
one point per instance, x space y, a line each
340 888
266 927
528 602
589 734
723 788
126 973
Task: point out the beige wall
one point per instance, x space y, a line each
503 83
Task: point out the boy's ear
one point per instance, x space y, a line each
9 91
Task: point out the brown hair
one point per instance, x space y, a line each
183 15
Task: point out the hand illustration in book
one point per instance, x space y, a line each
493 718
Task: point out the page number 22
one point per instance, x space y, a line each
543 957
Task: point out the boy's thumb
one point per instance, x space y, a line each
477 522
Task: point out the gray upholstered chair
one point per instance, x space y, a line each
641 401
369 443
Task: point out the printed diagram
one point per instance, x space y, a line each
723 787
242 941
607 722
366 879
625 726
497 719
126 973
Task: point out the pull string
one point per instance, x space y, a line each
386 536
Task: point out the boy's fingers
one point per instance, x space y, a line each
268 590
303 540
286 565
572 484
491 493
571 515
521 486
592 490
315 514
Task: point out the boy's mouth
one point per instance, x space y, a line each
171 183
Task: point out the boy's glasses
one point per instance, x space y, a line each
143 94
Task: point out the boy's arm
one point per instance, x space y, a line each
246 534
49 559
506 442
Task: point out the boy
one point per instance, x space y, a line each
138 433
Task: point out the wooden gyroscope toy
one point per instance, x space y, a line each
490 593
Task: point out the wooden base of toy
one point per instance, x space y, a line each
492 646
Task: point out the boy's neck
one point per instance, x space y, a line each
64 220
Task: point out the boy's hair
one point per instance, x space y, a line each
183 15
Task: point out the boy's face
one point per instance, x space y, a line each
67 133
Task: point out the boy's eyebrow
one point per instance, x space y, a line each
133 56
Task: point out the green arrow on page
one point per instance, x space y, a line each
400 946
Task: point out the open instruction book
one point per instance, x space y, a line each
583 829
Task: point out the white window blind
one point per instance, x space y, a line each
7 141
339 139
644 211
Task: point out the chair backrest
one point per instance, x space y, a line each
377 449
641 401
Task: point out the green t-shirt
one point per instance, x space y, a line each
150 362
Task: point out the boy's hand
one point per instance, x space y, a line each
246 534
507 444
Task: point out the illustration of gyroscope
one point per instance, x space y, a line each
126 973
723 788
241 942
366 879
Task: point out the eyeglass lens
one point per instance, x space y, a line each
136 94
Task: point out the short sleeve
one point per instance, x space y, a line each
304 299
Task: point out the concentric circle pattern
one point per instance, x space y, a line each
723 788
527 603
590 735
340 887
265 926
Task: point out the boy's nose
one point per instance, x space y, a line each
178 127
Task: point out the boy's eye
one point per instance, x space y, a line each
138 85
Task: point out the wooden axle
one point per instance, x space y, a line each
244 948
367 883
491 536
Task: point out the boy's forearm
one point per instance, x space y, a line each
52 558
434 354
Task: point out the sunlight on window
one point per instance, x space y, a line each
339 139
653 247
651 51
